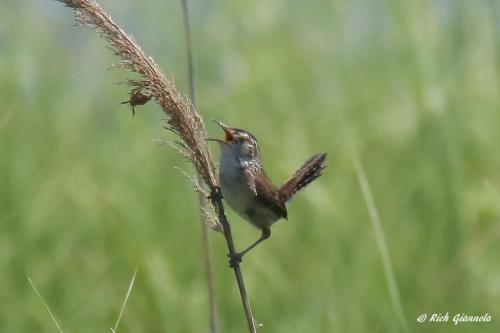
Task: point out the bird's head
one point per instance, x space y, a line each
238 142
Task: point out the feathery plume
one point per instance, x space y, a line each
182 116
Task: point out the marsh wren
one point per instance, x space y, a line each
248 190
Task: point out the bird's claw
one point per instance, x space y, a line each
216 194
234 259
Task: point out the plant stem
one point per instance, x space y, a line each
207 251
381 242
187 32
219 209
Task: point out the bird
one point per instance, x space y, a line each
246 188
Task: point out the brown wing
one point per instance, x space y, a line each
309 171
269 196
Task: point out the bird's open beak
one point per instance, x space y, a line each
227 131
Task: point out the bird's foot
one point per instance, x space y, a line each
234 259
216 194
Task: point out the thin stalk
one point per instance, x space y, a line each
189 47
207 250
125 301
59 328
381 242
219 209
217 204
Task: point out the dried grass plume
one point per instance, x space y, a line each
183 119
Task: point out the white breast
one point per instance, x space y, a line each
234 184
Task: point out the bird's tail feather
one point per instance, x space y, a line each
312 169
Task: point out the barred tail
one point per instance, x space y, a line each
312 169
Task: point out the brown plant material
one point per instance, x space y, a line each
183 118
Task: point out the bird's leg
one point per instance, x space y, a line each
236 258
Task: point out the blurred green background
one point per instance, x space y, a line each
86 196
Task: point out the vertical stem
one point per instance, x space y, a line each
187 32
207 250
219 209
381 242
209 272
